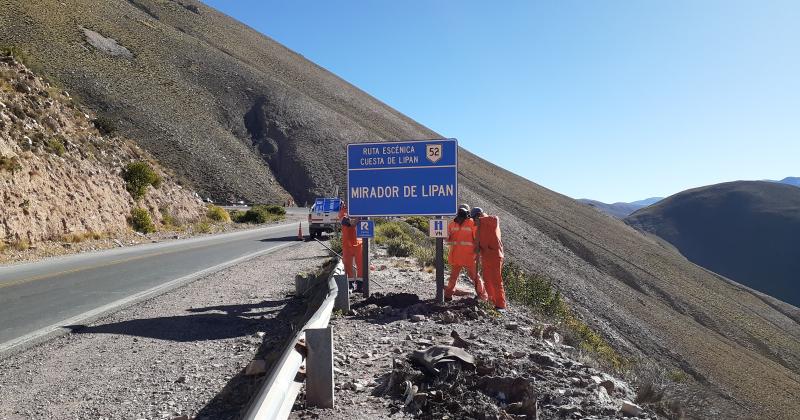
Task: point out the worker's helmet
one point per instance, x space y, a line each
475 212
346 221
464 206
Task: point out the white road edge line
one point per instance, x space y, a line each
152 292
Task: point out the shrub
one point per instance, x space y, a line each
389 230
167 219
538 293
73 238
419 222
237 216
20 244
399 248
105 126
425 255
256 215
10 164
137 176
273 209
14 51
335 242
263 214
677 375
218 214
141 221
202 227
55 146
531 290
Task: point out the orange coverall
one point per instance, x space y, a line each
491 252
351 250
461 238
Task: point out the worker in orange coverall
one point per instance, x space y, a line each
351 252
461 237
490 249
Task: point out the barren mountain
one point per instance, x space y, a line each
620 210
791 180
748 231
241 116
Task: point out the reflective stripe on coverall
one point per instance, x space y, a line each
491 251
461 238
351 252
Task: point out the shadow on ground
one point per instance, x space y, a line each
276 317
290 238
233 321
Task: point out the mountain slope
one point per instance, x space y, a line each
619 210
791 180
748 231
243 117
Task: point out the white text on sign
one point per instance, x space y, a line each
408 191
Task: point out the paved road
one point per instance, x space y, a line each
38 298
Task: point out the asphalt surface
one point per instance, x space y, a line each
38 298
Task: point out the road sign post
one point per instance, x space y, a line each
437 228
365 258
365 229
413 178
439 265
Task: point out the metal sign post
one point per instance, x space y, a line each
365 229
437 228
365 256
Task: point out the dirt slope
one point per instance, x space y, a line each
748 231
243 117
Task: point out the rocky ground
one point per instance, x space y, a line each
517 367
61 168
184 353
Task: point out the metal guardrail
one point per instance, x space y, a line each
278 393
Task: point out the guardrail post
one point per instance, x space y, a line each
343 296
319 367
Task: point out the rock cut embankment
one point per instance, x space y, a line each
59 175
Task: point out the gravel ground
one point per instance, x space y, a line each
182 353
521 366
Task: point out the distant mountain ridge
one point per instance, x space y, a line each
620 210
790 180
748 231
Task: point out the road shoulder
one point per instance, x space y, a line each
167 356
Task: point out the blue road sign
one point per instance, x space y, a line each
412 178
365 229
327 205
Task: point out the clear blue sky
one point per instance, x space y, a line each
612 100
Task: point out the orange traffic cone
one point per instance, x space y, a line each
300 232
